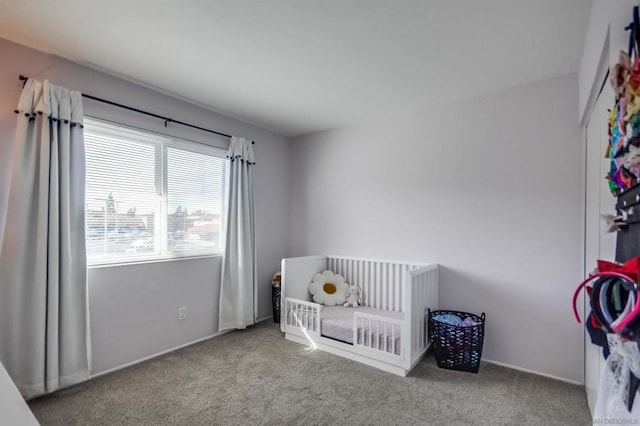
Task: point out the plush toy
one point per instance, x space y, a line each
354 296
328 288
277 279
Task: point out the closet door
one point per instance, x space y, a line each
598 200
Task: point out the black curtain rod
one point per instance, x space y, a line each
166 120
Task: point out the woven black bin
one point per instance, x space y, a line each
457 347
275 299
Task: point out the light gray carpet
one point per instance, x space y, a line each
257 377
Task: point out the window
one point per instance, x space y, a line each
149 196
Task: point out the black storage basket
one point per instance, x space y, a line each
457 347
275 298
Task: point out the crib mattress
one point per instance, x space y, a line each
336 322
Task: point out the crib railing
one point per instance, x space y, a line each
423 296
373 332
382 282
302 315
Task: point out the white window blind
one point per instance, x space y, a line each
149 196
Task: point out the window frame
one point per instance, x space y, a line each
162 143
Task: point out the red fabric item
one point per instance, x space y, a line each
631 268
594 322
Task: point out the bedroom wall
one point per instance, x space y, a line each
605 33
490 188
134 308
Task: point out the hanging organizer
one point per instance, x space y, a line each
623 148
613 288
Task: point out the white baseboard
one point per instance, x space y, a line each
537 373
270 317
146 358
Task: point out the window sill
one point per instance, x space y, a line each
144 262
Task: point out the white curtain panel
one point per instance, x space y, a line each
238 296
43 287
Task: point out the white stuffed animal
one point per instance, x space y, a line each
354 296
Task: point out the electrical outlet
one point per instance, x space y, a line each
182 313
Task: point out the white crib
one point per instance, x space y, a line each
395 340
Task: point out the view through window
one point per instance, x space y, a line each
149 196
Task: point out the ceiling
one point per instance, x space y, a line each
299 66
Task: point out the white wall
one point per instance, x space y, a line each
134 308
489 187
604 34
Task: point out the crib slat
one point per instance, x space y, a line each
384 298
425 300
344 263
379 274
387 288
368 292
353 271
384 294
383 280
400 287
419 332
385 338
397 284
393 340
392 287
